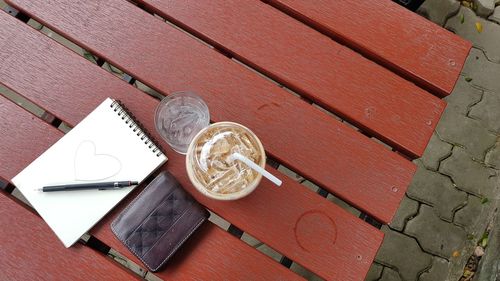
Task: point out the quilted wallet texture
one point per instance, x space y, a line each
159 220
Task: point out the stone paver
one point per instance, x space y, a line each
464 95
435 235
486 40
438 271
436 151
375 272
403 253
439 11
493 156
489 266
496 15
488 110
461 158
469 175
390 275
407 209
481 72
485 7
437 190
468 215
464 131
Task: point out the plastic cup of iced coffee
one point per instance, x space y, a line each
211 169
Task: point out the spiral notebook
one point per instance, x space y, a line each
108 145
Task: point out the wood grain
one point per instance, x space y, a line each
300 58
233 260
293 220
31 251
314 144
28 253
389 34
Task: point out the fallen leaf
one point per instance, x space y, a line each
484 242
467 273
462 18
479 27
484 200
468 79
456 254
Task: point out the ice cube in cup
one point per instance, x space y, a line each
179 117
211 168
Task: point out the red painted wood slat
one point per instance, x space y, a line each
236 260
302 137
360 91
230 256
340 247
28 243
28 253
389 34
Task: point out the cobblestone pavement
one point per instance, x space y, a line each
456 189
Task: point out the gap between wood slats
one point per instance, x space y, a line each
262 247
48 118
193 34
420 81
141 86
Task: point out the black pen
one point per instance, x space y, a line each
84 186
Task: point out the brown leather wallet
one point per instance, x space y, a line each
159 220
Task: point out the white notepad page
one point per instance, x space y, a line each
101 148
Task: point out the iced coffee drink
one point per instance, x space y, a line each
213 171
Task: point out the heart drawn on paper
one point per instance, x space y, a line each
91 166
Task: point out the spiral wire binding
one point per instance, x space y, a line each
136 127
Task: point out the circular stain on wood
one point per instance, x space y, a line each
312 224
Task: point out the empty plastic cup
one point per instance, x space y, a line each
179 117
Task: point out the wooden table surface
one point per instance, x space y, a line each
340 92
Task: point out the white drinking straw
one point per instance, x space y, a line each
256 167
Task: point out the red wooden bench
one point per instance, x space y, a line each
293 220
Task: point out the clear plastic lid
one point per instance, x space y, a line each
209 158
